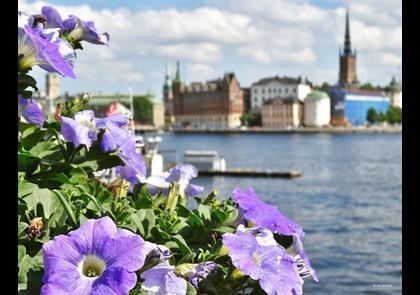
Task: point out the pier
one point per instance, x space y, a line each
251 173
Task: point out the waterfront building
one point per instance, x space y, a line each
214 104
281 87
158 112
348 58
394 91
52 86
317 109
102 105
350 105
281 112
247 99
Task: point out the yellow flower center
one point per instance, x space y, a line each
92 266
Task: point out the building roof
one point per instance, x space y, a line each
211 85
283 80
394 85
317 95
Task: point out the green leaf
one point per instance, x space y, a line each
204 212
27 163
224 229
22 226
62 196
21 253
182 244
136 221
43 197
210 197
26 188
89 166
190 289
33 138
43 148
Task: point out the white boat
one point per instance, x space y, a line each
205 160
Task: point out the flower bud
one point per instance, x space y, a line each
35 227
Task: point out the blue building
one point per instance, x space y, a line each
349 105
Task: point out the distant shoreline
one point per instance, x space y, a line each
306 130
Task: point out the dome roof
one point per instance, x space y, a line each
394 85
317 95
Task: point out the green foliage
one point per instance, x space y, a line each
143 109
394 115
372 116
368 86
251 119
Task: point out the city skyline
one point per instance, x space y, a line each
211 38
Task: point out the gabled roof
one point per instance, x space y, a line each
283 80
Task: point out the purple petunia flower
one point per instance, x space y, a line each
162 280
31 111
75 29
276 272
264 215
134 170
43 48
180 174
97 258
114 135
296 250
81 129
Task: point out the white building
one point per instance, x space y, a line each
395 93
317 109
274 87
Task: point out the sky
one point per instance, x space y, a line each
252 38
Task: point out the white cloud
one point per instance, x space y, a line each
287 36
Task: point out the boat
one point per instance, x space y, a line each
205 160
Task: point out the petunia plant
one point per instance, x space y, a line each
80 233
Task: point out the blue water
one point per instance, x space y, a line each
348 199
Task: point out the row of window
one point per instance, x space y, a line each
286 90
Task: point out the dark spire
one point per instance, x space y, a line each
347 43
177 75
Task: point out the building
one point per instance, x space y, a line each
158 112
52 86
282 112
213 104
348 71
168 96
350 105
394 91
101 104
272 87
317 109
247 99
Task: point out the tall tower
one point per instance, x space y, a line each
348 75
52 86
167 94
178 89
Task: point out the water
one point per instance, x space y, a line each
348 200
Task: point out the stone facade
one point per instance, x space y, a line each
282 87
282 113
218 103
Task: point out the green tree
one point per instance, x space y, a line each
382 117
372 116
251 120
143 109
394 115
368 86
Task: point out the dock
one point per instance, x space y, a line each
250 173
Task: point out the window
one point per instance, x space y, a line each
263 90
286 90
274 90
294 90
255 90
279 90
269 90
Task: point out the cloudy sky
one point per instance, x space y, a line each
253 38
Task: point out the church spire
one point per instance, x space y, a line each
347 42
177 75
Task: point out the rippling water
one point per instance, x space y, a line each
348 199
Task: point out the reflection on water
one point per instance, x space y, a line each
348 200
